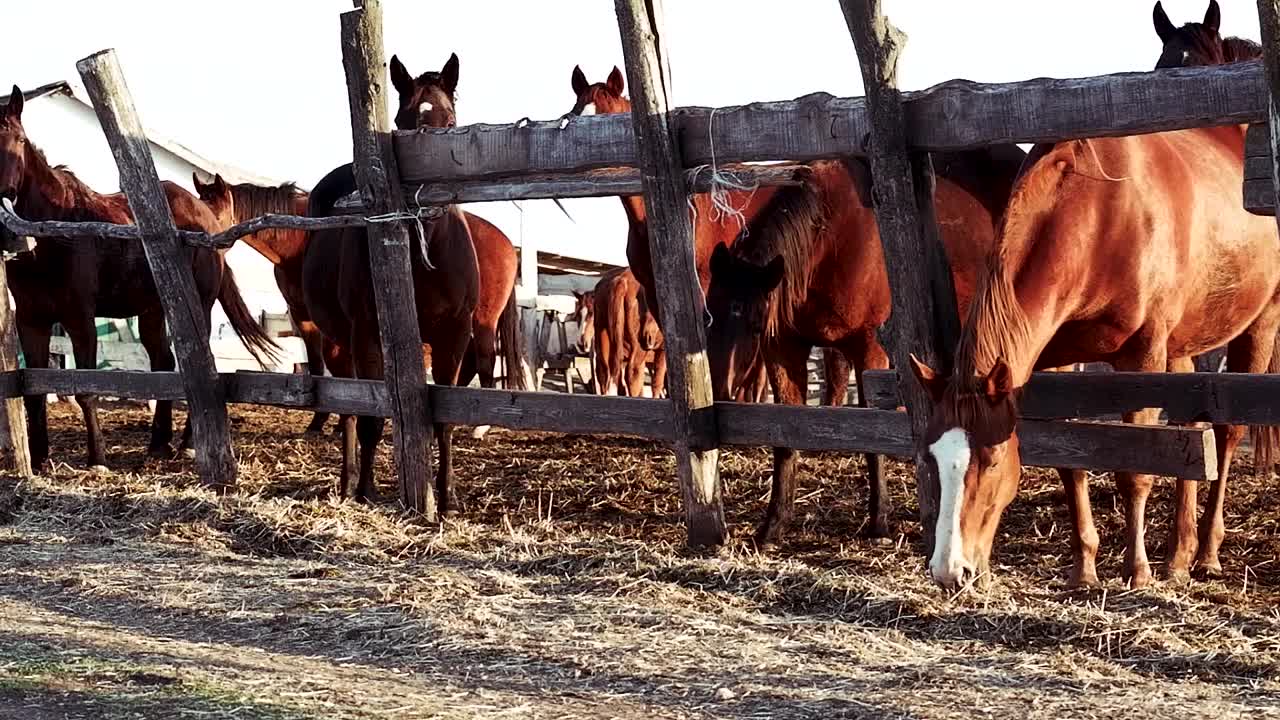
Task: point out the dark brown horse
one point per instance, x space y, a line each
496 325
72 282
1135 251
338 289
809 271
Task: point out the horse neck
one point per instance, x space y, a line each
48 193
279 245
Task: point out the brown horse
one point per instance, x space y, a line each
809 271
337 288
1135 251
72 282
627 337
496 324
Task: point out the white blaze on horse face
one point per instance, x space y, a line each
425 108
588 109
951 454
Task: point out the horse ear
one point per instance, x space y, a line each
195 181
449 74
15 102
999 382
721 261
1213 16
579 81
928 378
615 82
1164 27
219 185
771 276
400 77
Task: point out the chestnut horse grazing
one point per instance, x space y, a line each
1135 251
337 289
72 282
809 271
627 337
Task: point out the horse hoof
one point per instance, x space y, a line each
1210 571
99 468
1177 577
479 432
160 451
189 453
1139 578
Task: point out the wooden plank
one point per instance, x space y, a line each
1259 197
952 116
923 319
268 388
1167 451
590 183
679 293
554 412
170 267
389 261
1233 398
128 384
13 421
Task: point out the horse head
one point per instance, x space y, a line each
13 147
584 310
428 99
217 195
738 300
972 449
599 98
1194 43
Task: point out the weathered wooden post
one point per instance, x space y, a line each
679 293
1269 23
378 179
170 265
14 418
924 320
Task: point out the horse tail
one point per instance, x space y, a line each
511 344
247 329
1266 438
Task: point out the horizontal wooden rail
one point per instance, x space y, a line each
955 115
1186 397
1169 451
589 183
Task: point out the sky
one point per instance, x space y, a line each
259 83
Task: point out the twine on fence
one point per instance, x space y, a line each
722 183
417 214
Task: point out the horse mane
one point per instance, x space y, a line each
1238 49
996 323
253 201
787 226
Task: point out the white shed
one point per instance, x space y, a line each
62 123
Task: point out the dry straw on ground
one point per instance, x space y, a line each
563 591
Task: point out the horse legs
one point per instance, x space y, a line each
835 377
1181 546
154 338
313 341
482 356
659 372
1135 487
635 367
34 338
867 355
606 379
1249 353
340 364
447 359
366 357
1084 536
84 343
789 374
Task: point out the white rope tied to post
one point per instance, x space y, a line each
417 214
722 183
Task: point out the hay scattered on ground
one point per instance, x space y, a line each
563 590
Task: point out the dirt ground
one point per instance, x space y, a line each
563 591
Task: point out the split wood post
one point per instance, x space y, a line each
389 263
1269 23
14 430
170 263
923 320
679 292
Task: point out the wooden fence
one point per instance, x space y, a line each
661 151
